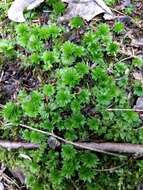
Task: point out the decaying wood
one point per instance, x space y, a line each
16 145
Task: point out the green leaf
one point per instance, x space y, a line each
69 76
78 119
48 89
76 22
85 174
103 30
55 177
51 31
68 168
34 59
68 152
113 48
84 96
118 27
75 106
137 62
138 88
99 73
63 97
70 52
93 124
31 104
11 112
89 159
82 68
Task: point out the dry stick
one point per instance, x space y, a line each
110 169
16 145
122 109
82 146
138 128
116 147
126 58
9 180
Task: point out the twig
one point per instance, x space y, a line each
9 180
16 145
122 109
138 128
76 188
72 143
110 169
126 58
133 21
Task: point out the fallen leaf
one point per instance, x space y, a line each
139 103
138 75
87 9
139 106
15 12
18 174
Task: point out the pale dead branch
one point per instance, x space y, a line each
70 142
124 110
116 147
16 145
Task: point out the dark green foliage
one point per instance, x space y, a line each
138 62
48 90
70 52
76 22
63 97
79 81
138 88
31 104
7 48
69 76
12 112
118 27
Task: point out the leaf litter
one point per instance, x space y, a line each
87 9
76 8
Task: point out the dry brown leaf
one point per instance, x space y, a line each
15 12
139 106
138 75
87 9
139 103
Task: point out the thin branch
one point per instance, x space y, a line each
110 169
70 142
139 128
126 58
122 109
9 180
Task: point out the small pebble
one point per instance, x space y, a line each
53 142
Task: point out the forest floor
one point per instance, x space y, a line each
82 81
